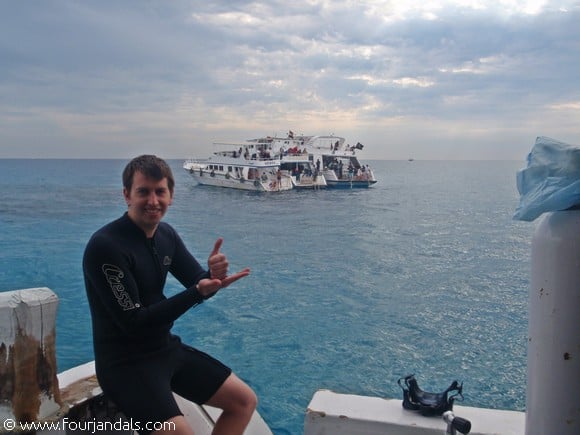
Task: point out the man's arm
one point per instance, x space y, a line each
110 284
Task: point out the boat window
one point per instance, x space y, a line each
230 169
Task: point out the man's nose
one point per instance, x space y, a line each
152 198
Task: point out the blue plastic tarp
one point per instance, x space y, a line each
551 181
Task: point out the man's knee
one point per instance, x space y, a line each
246 399
251 400
235 395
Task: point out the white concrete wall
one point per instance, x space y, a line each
29 391
331 413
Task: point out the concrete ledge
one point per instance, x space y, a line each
347 414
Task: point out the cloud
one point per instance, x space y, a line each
110 78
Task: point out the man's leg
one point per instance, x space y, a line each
237 402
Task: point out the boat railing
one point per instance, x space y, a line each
363 176
192 160
299 157
234 155
245 150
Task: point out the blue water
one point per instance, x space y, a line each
424 273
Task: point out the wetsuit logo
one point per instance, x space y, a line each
114 275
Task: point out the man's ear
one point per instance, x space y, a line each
126 195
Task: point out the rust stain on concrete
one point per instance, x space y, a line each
27 373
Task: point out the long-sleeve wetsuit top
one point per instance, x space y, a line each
125 273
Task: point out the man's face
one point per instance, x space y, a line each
148 201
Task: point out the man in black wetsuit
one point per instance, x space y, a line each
138 361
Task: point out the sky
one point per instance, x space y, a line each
422 79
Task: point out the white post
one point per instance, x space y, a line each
553 391
28 377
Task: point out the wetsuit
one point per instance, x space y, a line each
138 361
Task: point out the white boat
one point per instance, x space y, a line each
339 163
294 163
239 166
330 156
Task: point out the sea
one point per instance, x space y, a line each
424 273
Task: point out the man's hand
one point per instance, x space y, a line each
218 269
217 262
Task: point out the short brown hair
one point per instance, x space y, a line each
152 167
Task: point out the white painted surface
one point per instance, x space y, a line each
74 374
331 413
32 310
28 316
553 393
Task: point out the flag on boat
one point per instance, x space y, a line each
359 146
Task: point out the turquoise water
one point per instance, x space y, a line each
424 273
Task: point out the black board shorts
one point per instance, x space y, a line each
142 389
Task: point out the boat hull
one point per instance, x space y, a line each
238 173
308 182
334 180
220 180
349 184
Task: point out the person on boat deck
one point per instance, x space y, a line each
138 361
